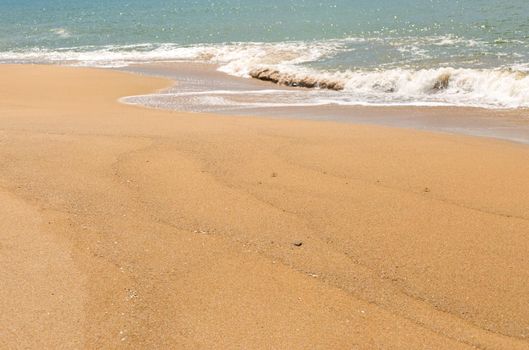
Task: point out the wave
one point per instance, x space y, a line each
61 32
489 88
293 64
235 58
307 81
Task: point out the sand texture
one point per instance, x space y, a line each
124 227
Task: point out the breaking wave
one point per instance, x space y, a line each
489 88
295 64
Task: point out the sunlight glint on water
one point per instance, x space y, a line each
410 52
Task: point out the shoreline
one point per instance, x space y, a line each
154 228
204 80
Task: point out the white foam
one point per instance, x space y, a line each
61 32
451 40
224 92
235 57
505 87
493 88
489 88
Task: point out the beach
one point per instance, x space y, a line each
204 87
128 227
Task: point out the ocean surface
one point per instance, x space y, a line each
365 52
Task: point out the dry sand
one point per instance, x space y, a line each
123 227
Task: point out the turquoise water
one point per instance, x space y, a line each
381 51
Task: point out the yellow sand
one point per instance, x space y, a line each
127 227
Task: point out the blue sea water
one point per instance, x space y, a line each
426 52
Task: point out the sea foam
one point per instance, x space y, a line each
292 64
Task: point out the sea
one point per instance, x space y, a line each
463 53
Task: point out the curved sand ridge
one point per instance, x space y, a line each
177 229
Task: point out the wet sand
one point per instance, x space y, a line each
124 227
202 88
